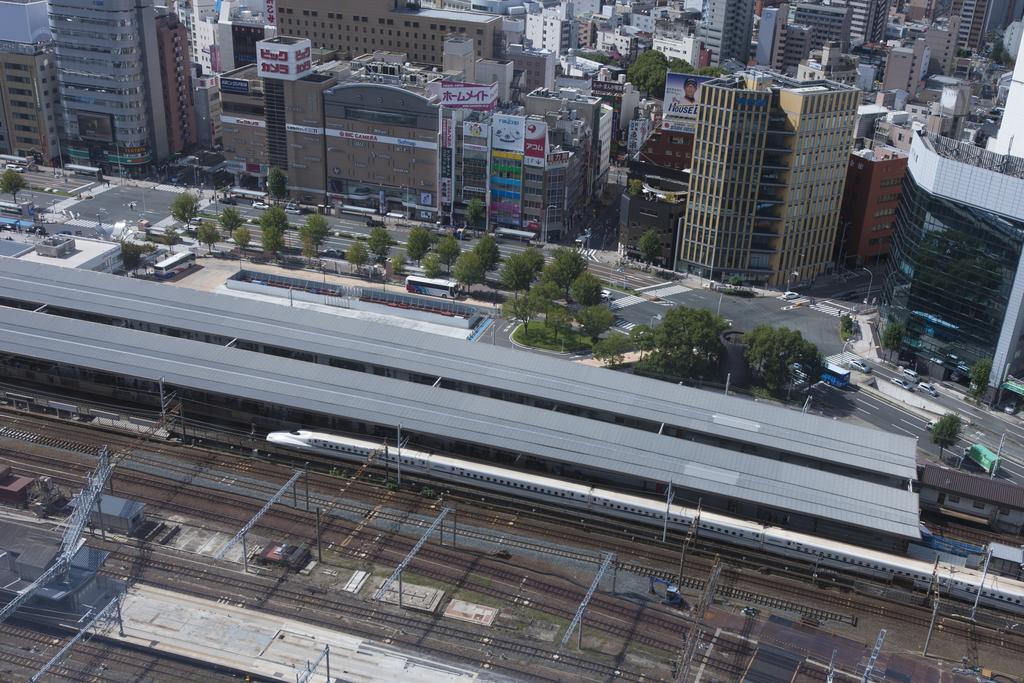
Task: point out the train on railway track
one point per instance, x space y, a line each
957 582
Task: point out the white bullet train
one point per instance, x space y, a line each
957 582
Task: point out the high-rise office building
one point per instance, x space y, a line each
109 73
726 30
867 20
766 182
827 23
176 81
956 276
29 97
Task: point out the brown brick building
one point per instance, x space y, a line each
176 81
356 27
870 201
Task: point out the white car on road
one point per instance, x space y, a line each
260 205
900 382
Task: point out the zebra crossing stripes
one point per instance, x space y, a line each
623 326
79 223
827 309
169 188
590 254
842 359
668 291
628 300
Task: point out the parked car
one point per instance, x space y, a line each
789 296
901 382
858 364
15 168
292 208
228 200
1010 408
260 205
928 389
332 253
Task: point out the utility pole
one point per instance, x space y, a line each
695 633
690 536
669 496
984 575
319 548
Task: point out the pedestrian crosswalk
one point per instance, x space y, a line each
623 326
627 300
80 223
170 188
842 359
828 309
590 254
668 291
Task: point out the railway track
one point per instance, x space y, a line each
257 467
90 660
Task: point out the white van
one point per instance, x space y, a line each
911 375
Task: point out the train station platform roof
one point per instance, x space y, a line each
730 421
500 425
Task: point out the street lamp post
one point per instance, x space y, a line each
871 280
547 219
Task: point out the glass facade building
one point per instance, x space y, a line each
955 275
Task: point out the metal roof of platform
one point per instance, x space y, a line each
733 419
475 419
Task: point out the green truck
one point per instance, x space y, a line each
982 457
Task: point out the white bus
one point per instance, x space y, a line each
173 265
87 171
446 289
24 163
252 195
518 235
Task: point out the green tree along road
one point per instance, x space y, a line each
543 295
12 182
517 273
131 254
586 289
487 249
431 264
208 234
520 309
980 372
475 213
273 223
468 270
242 237
772 351
277 183
231 219
312 234
379 244
892 336
612 349
358 255
687 343
649 245
448 251
946 431
418 243
185 207
594 321
565 266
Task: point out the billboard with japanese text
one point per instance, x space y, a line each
507 132
536 145
458 95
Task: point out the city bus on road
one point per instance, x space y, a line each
446 289
524 236
24 163
983 458
84 171
171 266
251 195
20 210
